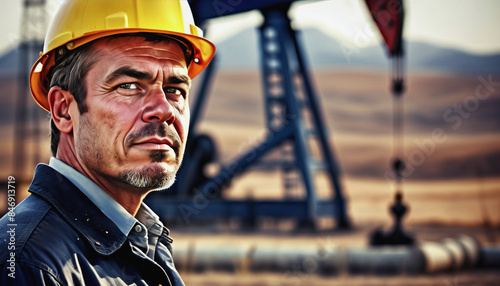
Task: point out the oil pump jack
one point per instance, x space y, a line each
289 98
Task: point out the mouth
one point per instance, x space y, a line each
155 144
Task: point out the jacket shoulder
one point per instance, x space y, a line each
17 225
38 238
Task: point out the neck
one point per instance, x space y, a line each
127 196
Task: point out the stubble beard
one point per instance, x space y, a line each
150 177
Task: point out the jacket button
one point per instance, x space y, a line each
138 228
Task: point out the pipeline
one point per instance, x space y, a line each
427 257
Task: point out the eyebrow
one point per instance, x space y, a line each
131 72
180 79
128 71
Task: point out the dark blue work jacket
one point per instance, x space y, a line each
57 236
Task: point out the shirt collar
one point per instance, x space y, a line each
109 206
148 217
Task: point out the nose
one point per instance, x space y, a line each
158 109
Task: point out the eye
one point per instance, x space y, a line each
130 89
175 93
173 90
128 86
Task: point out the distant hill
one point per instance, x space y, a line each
240 51
10 61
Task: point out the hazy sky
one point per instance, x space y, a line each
470 25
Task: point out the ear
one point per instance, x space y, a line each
60 102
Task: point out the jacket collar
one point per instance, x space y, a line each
102 234
107 204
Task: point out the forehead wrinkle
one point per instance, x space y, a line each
167 50
143 61
154 52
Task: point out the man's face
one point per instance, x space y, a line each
136 126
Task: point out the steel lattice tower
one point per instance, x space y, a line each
28 116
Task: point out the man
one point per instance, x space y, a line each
115 76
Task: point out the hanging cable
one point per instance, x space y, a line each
391 28
398 132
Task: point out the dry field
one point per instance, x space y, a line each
451 142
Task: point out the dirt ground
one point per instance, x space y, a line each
464 278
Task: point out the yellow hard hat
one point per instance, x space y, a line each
78 22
